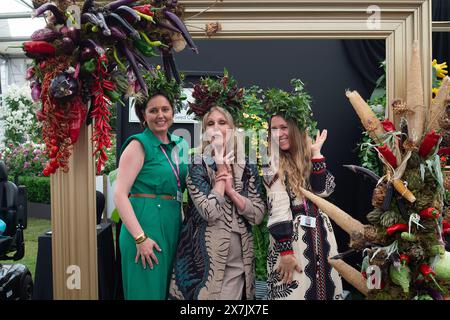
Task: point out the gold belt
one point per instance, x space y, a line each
152 196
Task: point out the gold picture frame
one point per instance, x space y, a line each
399 22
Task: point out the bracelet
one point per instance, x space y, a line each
141 238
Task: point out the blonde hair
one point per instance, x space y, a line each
295 163
228 118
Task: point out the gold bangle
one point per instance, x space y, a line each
139 241
140 237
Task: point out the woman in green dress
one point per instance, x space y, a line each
148 196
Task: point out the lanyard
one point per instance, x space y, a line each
175 172
305 206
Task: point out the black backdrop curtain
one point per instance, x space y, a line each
366 57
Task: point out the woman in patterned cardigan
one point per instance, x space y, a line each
302 237
215 253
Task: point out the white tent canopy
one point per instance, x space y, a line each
16 26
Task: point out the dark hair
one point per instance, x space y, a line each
139 108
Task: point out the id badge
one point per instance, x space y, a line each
307 221
179 197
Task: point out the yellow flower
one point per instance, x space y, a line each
245 115
440 68
434 91
265 125
158 67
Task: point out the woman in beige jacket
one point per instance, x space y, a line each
215 257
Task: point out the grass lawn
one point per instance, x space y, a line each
34 229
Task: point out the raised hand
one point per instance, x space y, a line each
316 146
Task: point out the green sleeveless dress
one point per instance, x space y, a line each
159 218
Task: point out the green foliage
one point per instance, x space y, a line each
110 164
291 105
368 158
38 188
261 245
158 83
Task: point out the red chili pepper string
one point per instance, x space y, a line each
101 114
58 120
54 122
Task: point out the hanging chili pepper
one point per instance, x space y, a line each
108 85
396 228
426 271
388 125
404 259
445 151
144 48
429 274
445 227
37 48
388 155
429 143
88 66
145 9
429 213
156 43
75 127
113 95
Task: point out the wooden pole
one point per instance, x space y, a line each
74 234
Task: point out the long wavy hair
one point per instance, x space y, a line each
295 163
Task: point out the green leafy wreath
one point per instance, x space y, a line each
294 105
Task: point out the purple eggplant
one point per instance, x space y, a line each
128 13
115 18
167 26
436 295
140 59
90 17
36 92
116 4
103 25
44 34
388 197
67 45
134 66
117 33
173 67
92 44
176 21
87 5
87 53
166 66
59 16
30 73
371 175
71 32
